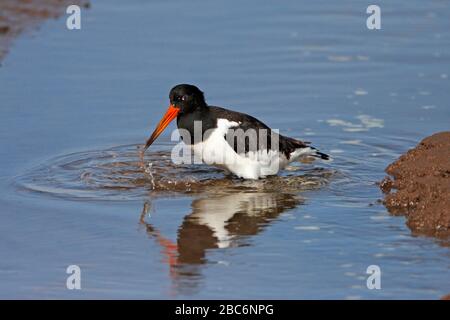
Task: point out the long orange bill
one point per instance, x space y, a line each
171 114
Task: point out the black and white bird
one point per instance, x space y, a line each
231 140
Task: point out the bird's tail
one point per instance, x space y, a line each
299 149
317 154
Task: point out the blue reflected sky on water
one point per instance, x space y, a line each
313 70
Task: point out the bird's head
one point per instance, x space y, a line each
184 99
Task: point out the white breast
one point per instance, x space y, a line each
216 151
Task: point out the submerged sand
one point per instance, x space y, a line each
17 16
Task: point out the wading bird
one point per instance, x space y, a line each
231 140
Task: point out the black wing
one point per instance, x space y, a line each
253 135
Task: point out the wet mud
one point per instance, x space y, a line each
418 186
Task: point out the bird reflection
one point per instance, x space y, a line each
216 222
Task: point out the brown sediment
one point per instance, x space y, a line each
421 184
17 16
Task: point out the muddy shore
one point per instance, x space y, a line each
418 186
18 16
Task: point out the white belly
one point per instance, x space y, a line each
216 151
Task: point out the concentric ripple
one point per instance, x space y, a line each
119 174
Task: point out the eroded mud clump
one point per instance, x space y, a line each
421 186
19 15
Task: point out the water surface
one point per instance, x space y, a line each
76 103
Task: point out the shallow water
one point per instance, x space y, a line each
75 104
120 173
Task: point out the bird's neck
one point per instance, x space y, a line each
199 120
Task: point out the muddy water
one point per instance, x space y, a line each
75 104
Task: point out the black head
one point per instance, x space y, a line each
184 98
187 98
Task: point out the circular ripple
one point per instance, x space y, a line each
119 174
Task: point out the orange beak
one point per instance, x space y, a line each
171 114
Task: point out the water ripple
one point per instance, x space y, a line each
119 174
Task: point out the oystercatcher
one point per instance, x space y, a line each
231 140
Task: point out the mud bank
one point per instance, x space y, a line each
420 188
17 16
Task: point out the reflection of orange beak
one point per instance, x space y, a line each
171 114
